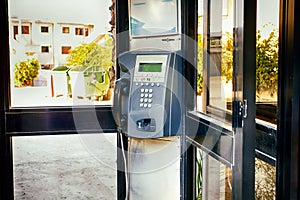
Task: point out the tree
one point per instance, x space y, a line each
267 62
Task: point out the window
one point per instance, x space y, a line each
65 30
16 31
25 29
48 43
78 31
44 29
65 49
45 49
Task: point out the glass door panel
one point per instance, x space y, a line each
213 178
226 97
214 98
267 44
65 167
267 47
215 56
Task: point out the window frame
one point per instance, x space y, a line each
64 28
79 31
15 31
44 29
25 29
45 49
65 50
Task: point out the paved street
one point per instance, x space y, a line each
65 167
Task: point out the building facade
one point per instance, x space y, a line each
49 42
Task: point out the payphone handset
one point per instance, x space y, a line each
153 102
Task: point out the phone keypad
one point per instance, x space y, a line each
146 94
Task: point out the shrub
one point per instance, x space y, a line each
227 56
266 61
25 72
200 65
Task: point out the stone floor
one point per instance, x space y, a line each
65 167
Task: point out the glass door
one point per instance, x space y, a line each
224 114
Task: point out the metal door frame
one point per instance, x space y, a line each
277 146
244 142
288 125
288 135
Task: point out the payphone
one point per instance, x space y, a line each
148 106
148 94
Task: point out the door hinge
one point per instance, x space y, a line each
240 112
244 108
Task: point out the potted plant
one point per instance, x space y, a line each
25 72
60 81
91 65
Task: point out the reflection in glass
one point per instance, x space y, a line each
265 180
215 54
213 179
155 17
267 60
215 58
267 47
65 167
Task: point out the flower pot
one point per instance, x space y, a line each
91 82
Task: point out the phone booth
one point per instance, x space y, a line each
184 122
154 105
